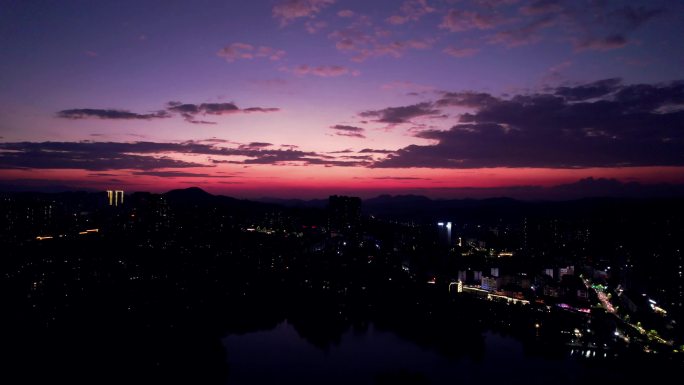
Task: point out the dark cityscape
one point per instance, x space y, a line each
115 286
380 192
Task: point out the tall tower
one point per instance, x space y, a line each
115 197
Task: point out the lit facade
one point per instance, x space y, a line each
444 232
115 197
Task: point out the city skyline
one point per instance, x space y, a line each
307 98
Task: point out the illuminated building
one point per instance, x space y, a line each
456 287
570 270
115 197
444 232
489 283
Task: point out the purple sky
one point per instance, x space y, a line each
311 97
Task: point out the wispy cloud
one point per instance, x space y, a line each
237 51
325 71
410 10
460 51
315 26
460 20
290 10
600 44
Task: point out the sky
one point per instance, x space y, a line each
307 98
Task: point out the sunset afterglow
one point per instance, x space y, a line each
307 98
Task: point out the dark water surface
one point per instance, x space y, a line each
374 356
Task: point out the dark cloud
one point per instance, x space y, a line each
341 127
400 178
260 155
588 25
187 110
261 109
631 18
215 140
295 157
646 97
190 111
277 157
195 121
376 151
218 108
94 156
148 156
255 145
572 127
589 91
351 134
465 99
183 108
84 113
398 115
176 174
351 131
358 157
338 163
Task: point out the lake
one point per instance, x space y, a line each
373 356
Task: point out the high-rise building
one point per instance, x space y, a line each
444 233
344 214
115 197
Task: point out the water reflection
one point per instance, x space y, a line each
374 356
